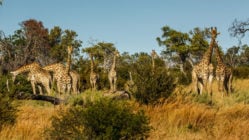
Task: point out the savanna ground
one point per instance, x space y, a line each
183 116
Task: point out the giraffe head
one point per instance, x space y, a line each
70 49
214 32
116 53
154 54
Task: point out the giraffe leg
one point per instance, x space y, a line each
69 87
204 83
111 84
48 90
219 84
210 84
230 87
194 82
200 87
94 85
58 87
33 87
40 90
222 82
115 84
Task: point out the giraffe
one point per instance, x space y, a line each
61 73
75 81
202 73
223 73
57 68
36 75
93 75
153 56
130 86
112 75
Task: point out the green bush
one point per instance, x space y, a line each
241 72
7 111
152 87
20 88
105 119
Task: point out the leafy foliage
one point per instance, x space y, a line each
7 111
241 72
104 119
151 86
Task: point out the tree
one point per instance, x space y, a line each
36 45
239 28
59 40
244 55
232 56
181 47
176 43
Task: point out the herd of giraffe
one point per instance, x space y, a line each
67 80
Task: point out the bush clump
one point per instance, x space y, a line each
241 72
104 119
7 111
152 86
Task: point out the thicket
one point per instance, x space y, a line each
7 111
152 86
241 72
104 119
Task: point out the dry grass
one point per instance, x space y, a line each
183 116
31 122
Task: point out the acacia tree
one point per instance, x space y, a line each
181 47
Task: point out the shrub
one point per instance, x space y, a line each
152 87
7 111
104 119
241 72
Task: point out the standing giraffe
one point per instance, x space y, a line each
36 75
153 56
130 86
202 73
61 73
75 81
112 75
93 75
223 73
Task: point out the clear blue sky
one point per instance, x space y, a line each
132 25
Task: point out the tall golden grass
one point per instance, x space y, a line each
181 117
31 122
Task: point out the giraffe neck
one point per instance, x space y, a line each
68 62
92 64
130 76
218 55
153 62
208 54
114 63
26 68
